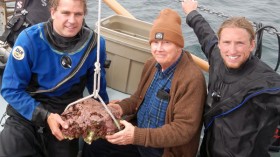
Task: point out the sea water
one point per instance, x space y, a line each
259 11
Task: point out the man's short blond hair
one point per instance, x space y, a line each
238 22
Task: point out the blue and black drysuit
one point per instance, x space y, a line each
40 60
243 105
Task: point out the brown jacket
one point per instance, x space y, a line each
181 133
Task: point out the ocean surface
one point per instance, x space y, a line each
259 11
266 12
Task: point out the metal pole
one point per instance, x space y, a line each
119 9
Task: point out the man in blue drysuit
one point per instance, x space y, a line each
50 55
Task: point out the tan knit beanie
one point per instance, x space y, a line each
167 26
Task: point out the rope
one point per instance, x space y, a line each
96 78
96 82
202 8
259 33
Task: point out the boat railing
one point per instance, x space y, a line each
7 10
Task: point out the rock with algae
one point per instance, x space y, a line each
89 120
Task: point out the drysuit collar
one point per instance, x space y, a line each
62 43
232 75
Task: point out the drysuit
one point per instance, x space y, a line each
41 60
242 109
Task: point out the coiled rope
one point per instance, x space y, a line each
259 34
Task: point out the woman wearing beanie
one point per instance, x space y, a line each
168 103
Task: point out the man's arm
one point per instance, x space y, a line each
16 79
17 76
205 34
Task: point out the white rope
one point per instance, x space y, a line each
96 77
110 113
96 82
